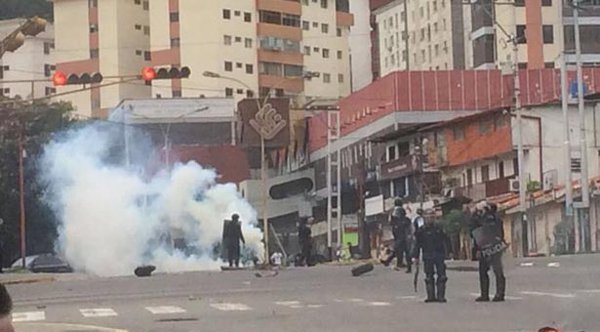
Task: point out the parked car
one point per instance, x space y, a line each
48 263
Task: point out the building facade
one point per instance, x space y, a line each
32 61
421 35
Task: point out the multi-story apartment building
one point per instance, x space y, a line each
32 61
264 46
259 46
111 37
420 35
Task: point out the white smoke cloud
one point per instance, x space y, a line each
113 218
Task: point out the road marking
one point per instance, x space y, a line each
356 300
557 295
589 291
31 316
164 310
507 297
409 297
379 304
526 264
98 312
314 306
230 306
554 264
287 303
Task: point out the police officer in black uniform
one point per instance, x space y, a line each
431 239
401 229
232 235
493 224
305 242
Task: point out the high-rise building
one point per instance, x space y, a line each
420 35
32 61
255 46
111 37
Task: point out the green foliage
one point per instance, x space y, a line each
533 186
25 8
38 123
454 222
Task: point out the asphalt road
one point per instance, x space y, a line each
322 298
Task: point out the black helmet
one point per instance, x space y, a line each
235 216
419 211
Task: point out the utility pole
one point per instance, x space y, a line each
22 197
567 133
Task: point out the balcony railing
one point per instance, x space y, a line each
486 189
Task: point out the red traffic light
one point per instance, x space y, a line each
59 79
148 73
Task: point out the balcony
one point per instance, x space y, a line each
486 189
288 58
289 6
344 19
289 84
280 31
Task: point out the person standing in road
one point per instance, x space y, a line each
419 220
232 235
402 231
305 241
489 240
6 307
431 239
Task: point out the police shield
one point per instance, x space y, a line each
488 241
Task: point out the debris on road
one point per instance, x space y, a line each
362 269
144 271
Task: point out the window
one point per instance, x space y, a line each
138 27
485 125
548 34
325 28
339 54
393 60
521 36
293 71
94 53
339 32
138 52
93 28
48 70
422 34
306 50
47 47
237 13
228 92
549 65
137 2
146 30
326 78
316 49
249 94
174 17
325 53
469 177
435 27
147 56
437 49
305 25
247 17
240 91
228 66
422 12
391 153
291 20
93 3
324 3
248 42
238 39
227 40
176 93
227 14
315 24
50 91
434 6
249 69
146 5
340 78
458 132
547 3
305 2
175 42
239 65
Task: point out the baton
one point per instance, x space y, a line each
416 279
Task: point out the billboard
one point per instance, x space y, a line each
271 121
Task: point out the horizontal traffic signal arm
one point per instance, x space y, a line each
165 73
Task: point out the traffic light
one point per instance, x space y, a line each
166 73
16 39
60 78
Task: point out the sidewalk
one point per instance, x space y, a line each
48 327
14 278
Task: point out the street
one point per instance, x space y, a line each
562 291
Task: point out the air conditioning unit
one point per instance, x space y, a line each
513 185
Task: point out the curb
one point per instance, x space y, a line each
27 281
48 327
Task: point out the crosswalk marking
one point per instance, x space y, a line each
557 295
164 310
231 306
554 264
379 304
31 316
98 312
287 303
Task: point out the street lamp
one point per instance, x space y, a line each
165 132
263 168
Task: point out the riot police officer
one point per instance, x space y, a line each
402 231
431 239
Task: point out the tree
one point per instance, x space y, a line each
455 224
25 8
36 125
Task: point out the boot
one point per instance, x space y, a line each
441 289
484 284
500 289
430 286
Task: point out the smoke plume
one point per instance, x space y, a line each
114 217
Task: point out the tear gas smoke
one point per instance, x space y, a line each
114 218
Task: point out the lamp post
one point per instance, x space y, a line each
263 166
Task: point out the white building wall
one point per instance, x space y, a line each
360 44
